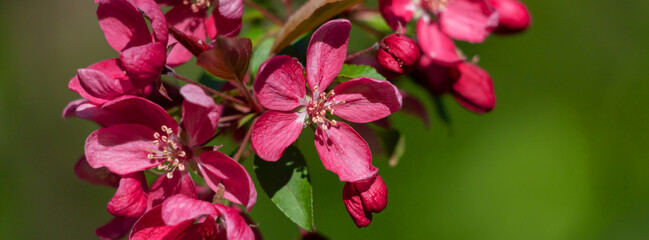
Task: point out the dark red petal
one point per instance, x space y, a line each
235 225
130 199
468 20
366 99
151 227
100 176
200 114
158 21
121 148
345 153
474 88
280 84
274 131
397 12
143 64
190 22
326 53
435 43
354 205
180 208
217 167
116 228
164 187
225 19
434 76
122 24
132 109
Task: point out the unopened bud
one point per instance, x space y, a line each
513 16
364 198
398 53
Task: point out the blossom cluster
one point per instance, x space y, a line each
158 143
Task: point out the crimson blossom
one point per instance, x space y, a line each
464 20
160 143
280 87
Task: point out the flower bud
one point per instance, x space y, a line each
363 198
398 53
513 16
473 88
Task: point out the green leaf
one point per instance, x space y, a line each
288 185
393 143
441 110
351 71
310 15
260 54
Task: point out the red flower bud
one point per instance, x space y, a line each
513 16
363 198
398 53
473 88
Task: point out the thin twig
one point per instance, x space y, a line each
231 117
264 12
374 47
244 143
220 94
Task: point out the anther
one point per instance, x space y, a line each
156 135
170 175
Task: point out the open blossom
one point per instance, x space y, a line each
364 198
158 142
464 20
182 217
191 18
469 84
142 54
280 87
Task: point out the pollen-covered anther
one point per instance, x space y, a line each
168 151
319 107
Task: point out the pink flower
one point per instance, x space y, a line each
182 217
156 141
514 16
469 84
280 87
465 20
190 18
142 56
363 198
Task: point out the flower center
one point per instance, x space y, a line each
318 107
198 5
170 152
435 6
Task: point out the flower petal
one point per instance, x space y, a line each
217 167
180 208
280 84
164 187
81 108
158 22
143 64
468 20
133 109
366 99
110 68
121 148
235 225
151 227
326 53
397 12
274 131
190 22
130 199
345 153
100 176
116 228
435 43
434 76
200 114
354 206
374 194
474 88
122 24
225 19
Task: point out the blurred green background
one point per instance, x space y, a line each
563 156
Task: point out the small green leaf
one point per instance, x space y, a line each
351 71
246 119
288 185
260 54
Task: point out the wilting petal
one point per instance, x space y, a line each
468 20
217 167
397 12
345 153
143 64
158 21
180 208
474 88
132 109
121 148
100 176
326 53
354 205
108 67
435 43
122 24
116 228
434 76
164 187
225 19
274 131
366 99
200 114
280 84
190 22
235 225
151 227
130 199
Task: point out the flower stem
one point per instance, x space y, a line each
173 73
264 12
374 47
244 143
